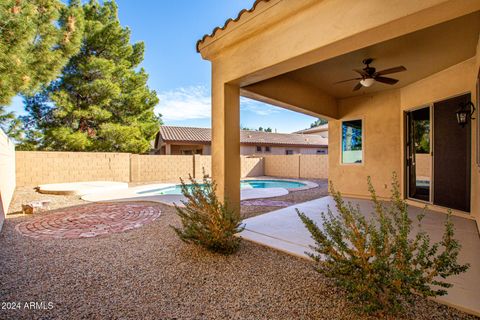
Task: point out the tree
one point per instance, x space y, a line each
318 122
10 124
37 37
264 129
101 102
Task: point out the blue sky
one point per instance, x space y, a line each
177 72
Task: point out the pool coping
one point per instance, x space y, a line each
132 193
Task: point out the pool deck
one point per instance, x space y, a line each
283 230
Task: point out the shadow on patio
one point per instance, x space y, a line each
283 230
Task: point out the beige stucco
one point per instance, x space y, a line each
7 174
263 56
381 146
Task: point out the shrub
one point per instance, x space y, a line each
206 221
379 260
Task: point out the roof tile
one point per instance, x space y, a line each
227 22
203 135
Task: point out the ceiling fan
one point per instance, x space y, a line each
369 75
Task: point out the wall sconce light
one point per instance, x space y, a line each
465 113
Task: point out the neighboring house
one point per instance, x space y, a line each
187 140
321 130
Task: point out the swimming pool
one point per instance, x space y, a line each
244 184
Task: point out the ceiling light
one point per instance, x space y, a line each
367 82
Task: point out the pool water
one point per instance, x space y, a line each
244 184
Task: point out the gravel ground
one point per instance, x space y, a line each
293 197
148 273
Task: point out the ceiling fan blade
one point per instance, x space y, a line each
386 80
347 80
357 87
391 70
361 72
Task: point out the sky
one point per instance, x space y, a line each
179 75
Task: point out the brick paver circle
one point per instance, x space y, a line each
89 221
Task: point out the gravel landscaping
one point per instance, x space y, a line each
148 273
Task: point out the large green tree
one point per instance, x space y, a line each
101 101
318 122
37 37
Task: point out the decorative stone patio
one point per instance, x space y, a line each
89 221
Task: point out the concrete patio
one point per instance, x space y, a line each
282 230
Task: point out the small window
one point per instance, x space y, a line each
259 149
267 149
352 144
288 151
321 151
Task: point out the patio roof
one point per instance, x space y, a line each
229 21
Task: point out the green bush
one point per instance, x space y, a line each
379 260
207 221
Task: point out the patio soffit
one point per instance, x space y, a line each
423 53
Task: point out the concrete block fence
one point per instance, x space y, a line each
40 167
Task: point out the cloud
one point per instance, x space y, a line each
185 103
260 108
194 102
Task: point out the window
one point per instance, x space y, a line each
321 151
352 144
267 149
259 149
288 151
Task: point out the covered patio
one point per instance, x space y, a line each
297 54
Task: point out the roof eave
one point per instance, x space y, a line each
203 46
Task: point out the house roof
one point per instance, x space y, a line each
228 22
203 136
317 129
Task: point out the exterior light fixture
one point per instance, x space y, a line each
465 113
367 82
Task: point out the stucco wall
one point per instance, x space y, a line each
33 168
7 174
381 144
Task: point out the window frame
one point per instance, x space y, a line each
362 119
477 111
268 149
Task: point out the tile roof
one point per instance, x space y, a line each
227 22
320 128
203 136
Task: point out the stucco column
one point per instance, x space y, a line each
226 140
